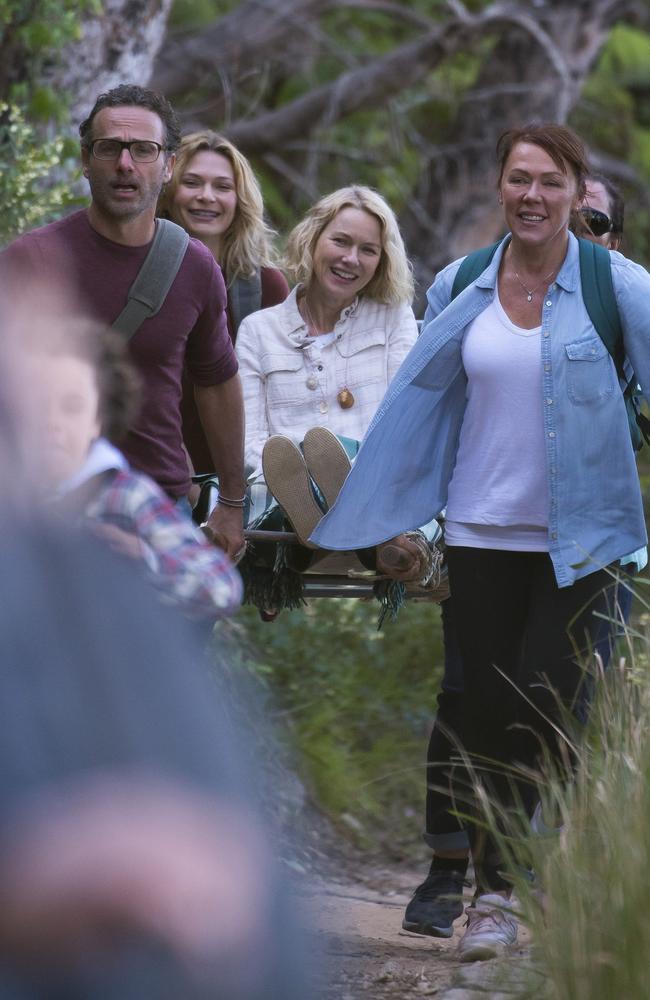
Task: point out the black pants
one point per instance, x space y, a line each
444 831
511 615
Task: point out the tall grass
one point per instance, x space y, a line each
592 931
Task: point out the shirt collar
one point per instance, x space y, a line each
101 457
296 324
568 276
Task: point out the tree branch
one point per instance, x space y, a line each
370 85
253 30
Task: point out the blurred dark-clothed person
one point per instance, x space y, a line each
133 863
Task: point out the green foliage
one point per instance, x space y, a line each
31 35
25 166
189 14
626 57
360 703
31 38
614 117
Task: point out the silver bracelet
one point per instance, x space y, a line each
227 502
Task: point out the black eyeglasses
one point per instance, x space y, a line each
598 222
141 150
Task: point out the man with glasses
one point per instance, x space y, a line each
127 149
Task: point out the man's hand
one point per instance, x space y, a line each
225 528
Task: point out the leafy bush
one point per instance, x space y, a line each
27 193
360 705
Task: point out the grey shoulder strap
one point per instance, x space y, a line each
155 277
244 298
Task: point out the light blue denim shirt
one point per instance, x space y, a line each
402 472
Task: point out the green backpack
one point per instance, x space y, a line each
600 302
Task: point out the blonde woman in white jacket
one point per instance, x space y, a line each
325 356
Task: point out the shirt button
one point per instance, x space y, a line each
547 368
548 402
554 534
312 382
323 407
546 333
551 434
548 302
552 470
320 368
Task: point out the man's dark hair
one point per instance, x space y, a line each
130 95
616 202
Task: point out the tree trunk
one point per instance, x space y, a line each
118 45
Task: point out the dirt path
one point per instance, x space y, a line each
367 954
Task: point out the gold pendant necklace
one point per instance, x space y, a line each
344 396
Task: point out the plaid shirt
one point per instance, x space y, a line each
186 569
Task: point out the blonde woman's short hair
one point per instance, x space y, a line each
248 242
392 282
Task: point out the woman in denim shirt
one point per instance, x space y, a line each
508 413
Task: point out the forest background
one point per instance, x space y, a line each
408 97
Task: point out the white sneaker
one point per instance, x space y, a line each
491 929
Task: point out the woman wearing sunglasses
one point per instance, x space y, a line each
508 413
602 212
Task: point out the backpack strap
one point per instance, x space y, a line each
600 302
472 267
155 277
244 298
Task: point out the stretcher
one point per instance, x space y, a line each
279 572
341 574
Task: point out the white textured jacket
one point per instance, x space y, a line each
291 383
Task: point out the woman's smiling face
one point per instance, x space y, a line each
205 200
346 255
537 195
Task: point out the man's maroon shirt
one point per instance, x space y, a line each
190 330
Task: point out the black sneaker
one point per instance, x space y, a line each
435 905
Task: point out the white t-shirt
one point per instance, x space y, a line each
498 495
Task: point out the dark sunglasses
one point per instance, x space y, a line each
598 222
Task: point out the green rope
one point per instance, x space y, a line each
391 595
268 586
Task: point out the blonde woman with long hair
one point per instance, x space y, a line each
215 196
325 356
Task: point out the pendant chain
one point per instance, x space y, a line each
531 291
